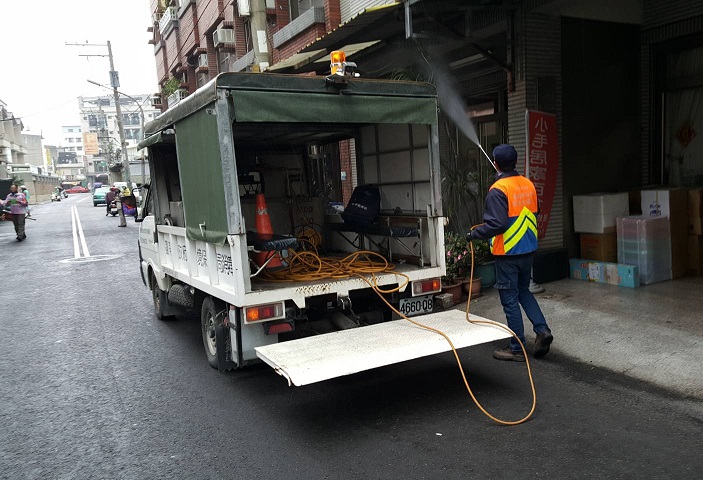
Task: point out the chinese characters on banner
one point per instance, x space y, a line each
542 162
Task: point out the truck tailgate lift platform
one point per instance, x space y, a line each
326 356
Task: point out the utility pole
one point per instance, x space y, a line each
115 83
258 35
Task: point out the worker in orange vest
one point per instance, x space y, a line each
510 222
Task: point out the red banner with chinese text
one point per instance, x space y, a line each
542 162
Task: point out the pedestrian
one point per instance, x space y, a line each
511 225
25 191
18 209
109 198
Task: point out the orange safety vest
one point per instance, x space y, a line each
521 235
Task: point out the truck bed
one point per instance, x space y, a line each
298 290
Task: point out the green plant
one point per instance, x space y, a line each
457 256
170 86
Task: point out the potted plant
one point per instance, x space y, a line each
457 260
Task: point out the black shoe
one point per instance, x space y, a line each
542 343
508 354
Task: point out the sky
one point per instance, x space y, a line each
41 78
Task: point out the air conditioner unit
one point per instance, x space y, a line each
156 101
222 36
156 17
202 60
244 7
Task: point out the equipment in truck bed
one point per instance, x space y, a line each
360 216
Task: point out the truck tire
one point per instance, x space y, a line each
159 298
212 314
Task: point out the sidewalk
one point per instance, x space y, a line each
653 333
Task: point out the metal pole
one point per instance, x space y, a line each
118 111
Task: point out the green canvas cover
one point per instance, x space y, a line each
252 106
200 169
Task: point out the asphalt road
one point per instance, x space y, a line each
92 385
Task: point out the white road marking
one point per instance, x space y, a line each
76 220
84 199
76 249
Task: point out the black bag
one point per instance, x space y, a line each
364 206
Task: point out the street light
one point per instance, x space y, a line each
142 119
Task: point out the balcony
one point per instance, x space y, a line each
242 63
176 97
168 21
300 24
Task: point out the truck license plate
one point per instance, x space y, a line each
416 305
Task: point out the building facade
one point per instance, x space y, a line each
12 147
99 127
623 78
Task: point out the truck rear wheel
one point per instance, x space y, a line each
212 314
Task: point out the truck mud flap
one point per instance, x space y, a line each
326 356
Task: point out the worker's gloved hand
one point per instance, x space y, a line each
470 236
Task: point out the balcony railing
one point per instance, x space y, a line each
168 20
242 63
176 97
297 26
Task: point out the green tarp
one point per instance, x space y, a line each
200 170
252 106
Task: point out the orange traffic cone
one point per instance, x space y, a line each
263 226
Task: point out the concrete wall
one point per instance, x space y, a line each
40 186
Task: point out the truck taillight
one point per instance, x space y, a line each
265 312
427 286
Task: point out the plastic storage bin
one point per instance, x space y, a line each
646 243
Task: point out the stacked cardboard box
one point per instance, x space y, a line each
646 243
595 219
605 272
695 233
671 203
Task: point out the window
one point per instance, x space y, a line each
70 140
247 35
223 60
79 149
70 130
298 7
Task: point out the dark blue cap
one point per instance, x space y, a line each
505 156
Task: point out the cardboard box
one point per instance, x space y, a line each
695 255
599 247
671 203
695 211
596 213
605 272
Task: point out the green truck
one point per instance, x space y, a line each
300 141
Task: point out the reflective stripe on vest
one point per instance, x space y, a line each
521 235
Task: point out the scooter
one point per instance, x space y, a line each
55 197
113 208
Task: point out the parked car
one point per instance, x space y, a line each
99 195
78 189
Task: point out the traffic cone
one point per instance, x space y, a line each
263 226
